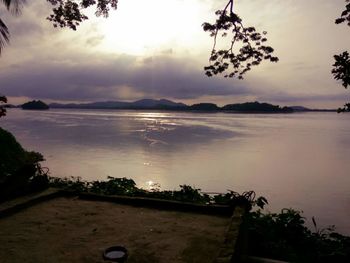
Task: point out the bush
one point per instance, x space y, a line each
20 170
284 236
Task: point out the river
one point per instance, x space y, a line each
299 160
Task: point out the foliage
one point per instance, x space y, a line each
124 186
187 193
3 99
13 6
72 183
251 53
4 34
345 15
341 67
65 13
20 170
114 186
284 236
248 199
69 13
345 108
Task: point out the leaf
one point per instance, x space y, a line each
314 222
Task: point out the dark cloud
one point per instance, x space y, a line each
96 78
58 66
290 98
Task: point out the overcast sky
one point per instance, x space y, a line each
157 49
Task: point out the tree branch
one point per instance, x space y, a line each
251 52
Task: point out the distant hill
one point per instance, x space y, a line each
256 107
300 108
9 106
140 104
149 103
204 107
35 105
163 104
304 109
92 105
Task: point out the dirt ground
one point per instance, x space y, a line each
68 230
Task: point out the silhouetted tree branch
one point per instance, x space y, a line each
69 13
252 49
13 6
341 70
65 13
4 35
341 67
345 15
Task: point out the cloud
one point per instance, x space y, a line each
94 40
287 97
118 77
60 64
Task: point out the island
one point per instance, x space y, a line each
204 107
256 107
35 105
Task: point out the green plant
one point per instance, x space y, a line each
20 170
341 67
247 198
125 186
3 99
114 186
284 236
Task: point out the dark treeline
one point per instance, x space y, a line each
149 104
168 105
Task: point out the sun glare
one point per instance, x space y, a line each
142 27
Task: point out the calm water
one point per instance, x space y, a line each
295 160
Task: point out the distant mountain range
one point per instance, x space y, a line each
303 109
139 104
163 104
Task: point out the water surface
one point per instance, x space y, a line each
295 160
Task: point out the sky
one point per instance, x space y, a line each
157 49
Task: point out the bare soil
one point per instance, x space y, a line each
73 230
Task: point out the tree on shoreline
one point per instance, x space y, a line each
3 99
341 67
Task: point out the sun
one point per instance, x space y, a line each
140 27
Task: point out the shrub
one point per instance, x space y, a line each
20 170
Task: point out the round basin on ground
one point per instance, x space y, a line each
116 254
